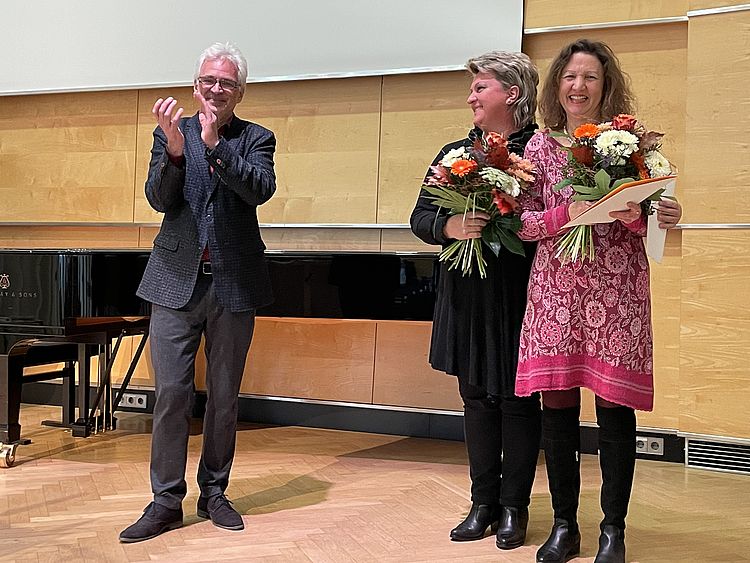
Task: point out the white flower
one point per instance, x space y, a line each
617 145
500 179
657 164
453 155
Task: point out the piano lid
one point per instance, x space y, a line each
39 289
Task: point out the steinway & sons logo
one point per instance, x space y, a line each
5 286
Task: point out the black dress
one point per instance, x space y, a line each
477 321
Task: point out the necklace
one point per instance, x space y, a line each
568 137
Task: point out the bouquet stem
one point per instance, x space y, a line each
461 253
578 242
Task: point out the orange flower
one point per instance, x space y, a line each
586 131
463 167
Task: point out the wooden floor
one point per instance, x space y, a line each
330 496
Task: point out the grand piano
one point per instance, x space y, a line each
65 306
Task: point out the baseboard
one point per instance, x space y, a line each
672 446
418 423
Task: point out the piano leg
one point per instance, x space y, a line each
69 394
11 372
82 426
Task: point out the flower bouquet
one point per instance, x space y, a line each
603 157
486 177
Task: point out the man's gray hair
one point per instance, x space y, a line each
229 52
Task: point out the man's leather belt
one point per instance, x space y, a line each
205 268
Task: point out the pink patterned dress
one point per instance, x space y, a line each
587 324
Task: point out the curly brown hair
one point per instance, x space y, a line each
617 96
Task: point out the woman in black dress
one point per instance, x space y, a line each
477 321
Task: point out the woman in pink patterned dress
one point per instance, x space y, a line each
587 323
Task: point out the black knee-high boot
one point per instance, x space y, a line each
484 445
522 429
561 440
617 462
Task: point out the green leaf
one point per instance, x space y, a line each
621 181
511 241
562 183
510 222
585 189
453 199
602 180
656 196
581 197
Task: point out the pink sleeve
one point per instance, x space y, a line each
537 225
638 226
538 222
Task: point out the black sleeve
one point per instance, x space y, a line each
427 219
166 180
249 174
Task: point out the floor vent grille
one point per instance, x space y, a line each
719 456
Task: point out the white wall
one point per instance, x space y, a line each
78 45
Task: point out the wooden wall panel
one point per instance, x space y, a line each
68 157
321 359
308 238
717 157
549 13
403 376
327 143
404 240
61 236
705 4
146 236
421 113
304 358
715 336
321 239
327 153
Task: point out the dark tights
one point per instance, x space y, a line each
570 398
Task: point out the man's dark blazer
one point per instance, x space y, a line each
211 199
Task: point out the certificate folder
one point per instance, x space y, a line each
617 200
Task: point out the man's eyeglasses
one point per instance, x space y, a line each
210 81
